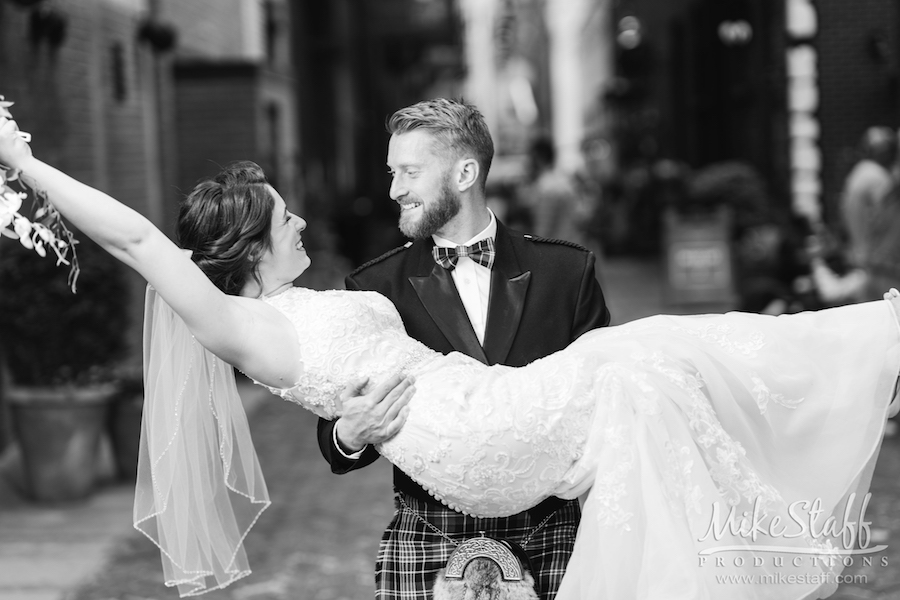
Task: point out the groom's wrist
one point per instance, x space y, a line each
345 450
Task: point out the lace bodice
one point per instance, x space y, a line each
345 335
473 432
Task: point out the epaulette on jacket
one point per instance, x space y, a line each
375 261
535 238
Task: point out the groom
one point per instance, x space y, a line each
506 298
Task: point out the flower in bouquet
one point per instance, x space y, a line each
46 228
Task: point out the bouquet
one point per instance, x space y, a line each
46 228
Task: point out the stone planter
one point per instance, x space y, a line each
59 433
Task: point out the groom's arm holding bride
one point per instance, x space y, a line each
367 419
348 443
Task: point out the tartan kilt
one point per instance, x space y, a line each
411 553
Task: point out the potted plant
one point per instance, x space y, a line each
59 349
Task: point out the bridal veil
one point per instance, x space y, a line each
199 485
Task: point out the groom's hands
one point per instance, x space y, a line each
373 417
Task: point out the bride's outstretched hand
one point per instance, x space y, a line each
14 149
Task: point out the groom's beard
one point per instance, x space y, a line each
434 216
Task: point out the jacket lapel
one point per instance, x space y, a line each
509 286
437 292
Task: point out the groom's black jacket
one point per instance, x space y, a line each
543 296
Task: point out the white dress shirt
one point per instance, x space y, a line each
473 281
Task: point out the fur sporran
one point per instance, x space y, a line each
486 569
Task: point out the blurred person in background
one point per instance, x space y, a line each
559 209
882 261
849 268
867 185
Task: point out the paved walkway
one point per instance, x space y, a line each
47 552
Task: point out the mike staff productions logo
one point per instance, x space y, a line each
823 541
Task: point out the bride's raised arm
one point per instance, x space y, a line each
224 324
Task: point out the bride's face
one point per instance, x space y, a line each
287 257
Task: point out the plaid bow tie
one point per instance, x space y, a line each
481 252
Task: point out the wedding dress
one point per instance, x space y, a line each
717 456
705 447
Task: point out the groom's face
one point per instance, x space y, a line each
421 184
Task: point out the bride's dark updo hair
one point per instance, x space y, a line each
226 222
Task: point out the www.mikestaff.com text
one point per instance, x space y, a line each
788 579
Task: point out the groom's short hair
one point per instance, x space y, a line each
457 126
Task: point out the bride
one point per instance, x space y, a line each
716 456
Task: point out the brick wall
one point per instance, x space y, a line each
65 96
48 85
857 85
